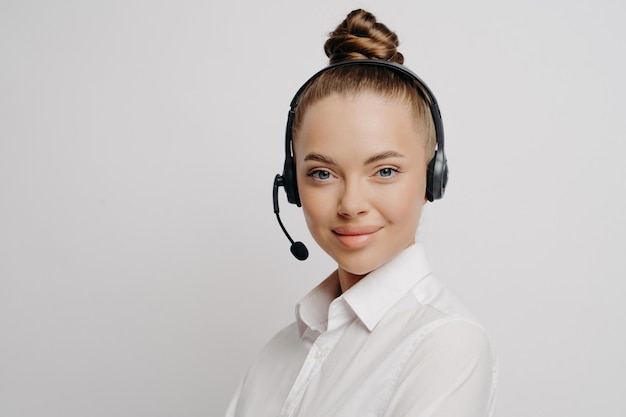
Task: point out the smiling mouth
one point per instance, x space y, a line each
355 237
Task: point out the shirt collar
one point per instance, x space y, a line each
312 310
370 298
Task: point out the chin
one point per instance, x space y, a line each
358 271
360 264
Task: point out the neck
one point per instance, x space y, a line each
347 279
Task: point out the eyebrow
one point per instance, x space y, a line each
318 157
382 156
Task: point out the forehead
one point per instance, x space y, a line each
358 115
354 122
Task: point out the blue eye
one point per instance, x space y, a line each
319 174
387 172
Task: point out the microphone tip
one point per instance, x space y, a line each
299 251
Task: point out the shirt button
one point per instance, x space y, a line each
319 354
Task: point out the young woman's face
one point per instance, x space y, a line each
361 172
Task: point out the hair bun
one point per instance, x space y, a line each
360 36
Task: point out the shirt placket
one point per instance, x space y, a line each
323 345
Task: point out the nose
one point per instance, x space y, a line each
353 200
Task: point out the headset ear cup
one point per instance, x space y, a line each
290 183
437 176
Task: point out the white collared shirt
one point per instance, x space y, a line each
397 343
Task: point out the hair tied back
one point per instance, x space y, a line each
361 36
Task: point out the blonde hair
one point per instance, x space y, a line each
361 36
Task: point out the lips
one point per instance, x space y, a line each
355 237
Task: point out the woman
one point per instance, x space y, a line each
380 336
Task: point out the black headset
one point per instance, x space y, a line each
437 171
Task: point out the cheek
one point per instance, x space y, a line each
406 208
406 203
315 212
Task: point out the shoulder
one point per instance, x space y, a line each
430 291
438 333
456 336
271 372
281 343
452 366
449 348
452 333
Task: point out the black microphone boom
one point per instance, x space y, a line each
298 249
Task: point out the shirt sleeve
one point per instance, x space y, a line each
451 372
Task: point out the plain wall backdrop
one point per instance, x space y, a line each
141 267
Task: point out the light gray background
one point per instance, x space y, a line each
140 264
